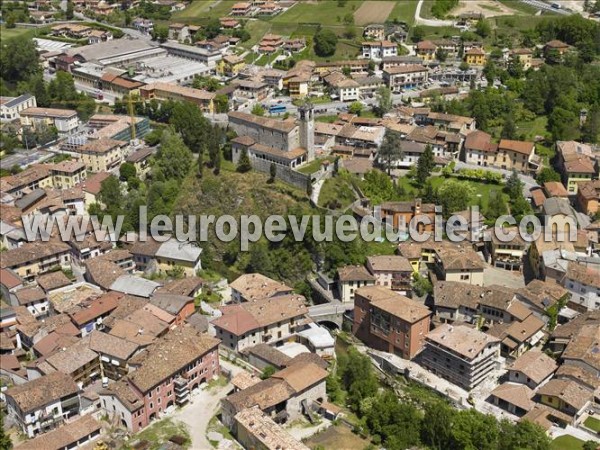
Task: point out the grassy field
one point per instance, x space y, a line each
337 437
373 12
566 443
10 33
404 11
336 192
519 6
593 424
159 432
315 165
324 13
199 11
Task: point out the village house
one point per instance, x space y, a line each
533 368
251 287
588 196
475 57
179 306
65 121
524 56
379 49
351 278
405 77
173 253
463 355
479 149
456 302
574 161
519 335
188 286
509 254
515 398
540 295
400 214
566 396
88 315
375 32
555 46
114 354
270 320
392 272
166 373
517 155
426 50
390 322
141 161
231 65
73 434
459 264
35 300
44 403
451 122
284 396
240 9
583 283
102 155
10 107
555 189
35 258
10 283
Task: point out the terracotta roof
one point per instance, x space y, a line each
301 376
545 417
525 148
568 391
589 189
54 341
9 279
555 43
243 380
535 365
100 146
107 344
147 248
172 303
40 392
255 286
393 303
467 342
29 295
584 348
102 272
459 259
542 294
409 68
170 355
538 196
389 263
453 294
89 311
93 183
52 280
269 354
70 359
285 126
183 286
126 394
426 45
582 274
48 112
64 436
575 163
515 394
30 252
479 140
354 273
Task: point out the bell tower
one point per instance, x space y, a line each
307 129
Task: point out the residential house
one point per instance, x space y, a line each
540 295
518 336
10 107
588 196
379 50
566 396
426 50
89 315
351 278
79 432
515 398
459 264
479 149
10 283
524 56
91 187
392 272
583 283
35 258
517 155
532 368
141 161
240 9
463 355
114 354
390 322
44 403
348 90
167 372
65 121
35 300
144 253
507 252
375 32
400 214
173 253
456 302
179 306
475 57
575 163
231 65
405 77
451 122
251 287
188 286
555 46
287 393
269 320
102 155
555 189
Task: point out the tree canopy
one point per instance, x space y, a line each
325 41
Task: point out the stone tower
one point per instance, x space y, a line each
307 129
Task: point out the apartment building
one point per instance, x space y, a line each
102 155
379 49
475 57
34 258
459 264
463 355
390 322
167 91
507 255
64 120
251 287
405 77
166 373
392 272
67 174
44 403
10 107
269 321
74 434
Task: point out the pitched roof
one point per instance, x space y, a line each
568 391
70 359
555 189
535 365
64 436
459 259
467 342
183 286
301 376
255 286
278 125
389 263
453 294
172 303
269 354
583 274
29 295
88 311
515 394
42 391
9 279
52 280
522 147
354 273
479 140
32 251
107 344
393 303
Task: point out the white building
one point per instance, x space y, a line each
350 278
10 107
379 50
348 90
405 77
584 285
64 120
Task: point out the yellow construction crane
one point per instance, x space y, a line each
131 114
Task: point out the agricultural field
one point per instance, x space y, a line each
404 11
199 11
373 12
326 13
9 33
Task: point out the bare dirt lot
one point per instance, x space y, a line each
373 12
488 8
337 437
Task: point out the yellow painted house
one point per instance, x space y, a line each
231 65
475 57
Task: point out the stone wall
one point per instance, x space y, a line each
284 174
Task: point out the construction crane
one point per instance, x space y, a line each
131 114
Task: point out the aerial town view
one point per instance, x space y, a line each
300 224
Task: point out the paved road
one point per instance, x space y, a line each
547 7
430 22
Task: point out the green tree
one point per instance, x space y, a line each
221 103
189 121
547 174
18 60
523 434
509 129
464 66
483 28
390 149
5 442
418 33
358 378
563 124
11 20
160 33
69 13
421 285
454 196
436 431
111 196
471 429
425 165
349 19
514 185
590 445
441 55
355 108
384 101
272 172
127 171
258 110
244 162
490 71
325 42
496 205
267 372
174 158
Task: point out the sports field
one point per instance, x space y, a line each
373 12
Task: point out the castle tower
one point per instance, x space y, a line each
307 129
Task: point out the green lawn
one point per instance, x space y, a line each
336 192
9 33
593 424
324 13
404 11
199 11
160 432
315 165
566 443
